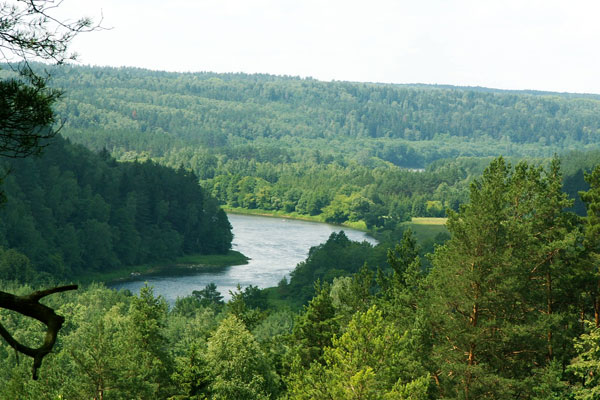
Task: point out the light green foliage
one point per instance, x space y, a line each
147 330
352 294
100 358
274 326
348 208
370 360
238 368
586 366
111 347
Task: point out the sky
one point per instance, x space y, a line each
507 44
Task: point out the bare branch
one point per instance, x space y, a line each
29 306
29 31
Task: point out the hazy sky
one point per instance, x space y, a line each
509 44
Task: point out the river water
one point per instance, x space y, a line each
274 246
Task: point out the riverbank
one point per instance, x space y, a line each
424 228
359 226
186 264
275 246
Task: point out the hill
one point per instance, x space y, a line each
71 211
371 155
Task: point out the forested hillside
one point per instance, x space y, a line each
71 211
337 151
214 110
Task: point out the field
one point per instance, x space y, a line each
426 229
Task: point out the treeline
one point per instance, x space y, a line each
71 211
334 149
376 197
508 308
214 110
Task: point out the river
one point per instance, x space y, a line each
274 246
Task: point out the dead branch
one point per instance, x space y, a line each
30 306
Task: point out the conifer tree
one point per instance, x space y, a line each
501 287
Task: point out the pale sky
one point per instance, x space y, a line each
508 44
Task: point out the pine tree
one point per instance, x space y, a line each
500 291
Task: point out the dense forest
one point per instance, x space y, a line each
71 211
341 152
507 309
503 303
506 306
210 110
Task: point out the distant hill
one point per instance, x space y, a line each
142 111
341 152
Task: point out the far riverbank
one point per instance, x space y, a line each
274 245
187 264
359 225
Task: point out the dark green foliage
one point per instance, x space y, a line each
15 266
337 257
401 285
70 211
247 304
315 328
354 293
254 297
332 149
25 115
592 200
209 296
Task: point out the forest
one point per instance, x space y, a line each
71 211
368 155
506 306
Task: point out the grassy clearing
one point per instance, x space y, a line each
426 229
272 213
359 225
428 221
188 263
